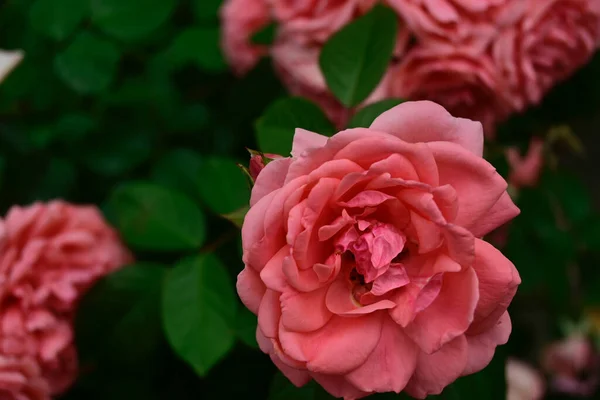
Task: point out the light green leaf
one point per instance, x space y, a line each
199 308
365 116
355 58
131 19
275 129
118 321
88 64
57 18
151 217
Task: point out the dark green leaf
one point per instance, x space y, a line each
151 217
199 308
57 18
130 19
181 170
355 58
89 64
365 116
275 129
118 322
245 327
206 10
222 185
198 45
57 180
266 35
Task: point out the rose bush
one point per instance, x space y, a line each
364 260
50 254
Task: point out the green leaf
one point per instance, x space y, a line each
151 217
275 129
206 10
199 45
199 307
245 327
365 116
57 18
88 64
131 19
355 58
237 217
222 186
118 321
266 35
572 195
180 169
57 181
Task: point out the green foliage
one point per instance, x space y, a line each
275 129
198 311
355 58
57 19
151 217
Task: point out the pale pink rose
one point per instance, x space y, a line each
363 260
552 40
49 255
525 171
240 20
316 20
523 381
462 79
475 22
298 67
574 365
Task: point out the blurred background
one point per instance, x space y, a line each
116 91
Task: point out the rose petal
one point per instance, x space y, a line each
250 288
390 365
338 386
270 178
482 347
269 313
304 311
425 121
304 140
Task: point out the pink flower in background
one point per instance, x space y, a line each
473 22
362 257
309 21
552 40
241 19
9 61
462 79
50 254
523 381
574 365
525 171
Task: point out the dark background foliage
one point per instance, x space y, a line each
128 104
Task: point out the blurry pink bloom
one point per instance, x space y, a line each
552 40
523 382
20 379
525 171
241 19
50 254
8 61
574 365
462 79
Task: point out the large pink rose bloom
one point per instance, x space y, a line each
50 254
461 78
241 19
363 260
552 40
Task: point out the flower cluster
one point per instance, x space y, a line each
49 255
479 59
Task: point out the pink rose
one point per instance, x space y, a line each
462 79
20 379
524 382
241 19
525 171
317 20
363 260
553 39
574 365
50 254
